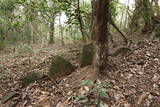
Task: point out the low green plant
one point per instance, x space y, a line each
77 37
95 95
60 53
24 49
2 45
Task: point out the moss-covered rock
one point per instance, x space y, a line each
31 78
60 67
156 32
87 55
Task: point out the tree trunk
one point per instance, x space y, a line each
84 34
147 14
134 24
100 33
157 7
51 35
143 10
61 30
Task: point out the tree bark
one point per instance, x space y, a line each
143 10
134 23
100 33
61 30
147 14
157 7
51 35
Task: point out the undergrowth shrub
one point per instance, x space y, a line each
95 96
78 37
2 45
24 49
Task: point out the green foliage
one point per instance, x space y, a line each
24 49
28 21
82 99
61 54
78 37
114 7
85 13
86 83
18 16
31 78
7 6
95 94
2 45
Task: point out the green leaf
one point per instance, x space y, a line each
82 96
97 101
94 90
105 85
103 94
103 89
86 82
83 100
101 105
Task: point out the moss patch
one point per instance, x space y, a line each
87 55
31 78
60 67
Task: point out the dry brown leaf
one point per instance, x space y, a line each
60 104
142 97
43 102
127 105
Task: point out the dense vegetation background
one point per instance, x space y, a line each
40 22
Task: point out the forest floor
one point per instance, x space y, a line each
135 78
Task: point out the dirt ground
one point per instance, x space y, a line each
135 78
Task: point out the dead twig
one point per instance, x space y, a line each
2 88
55 83
76 50
119 31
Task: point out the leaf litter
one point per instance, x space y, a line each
135 78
